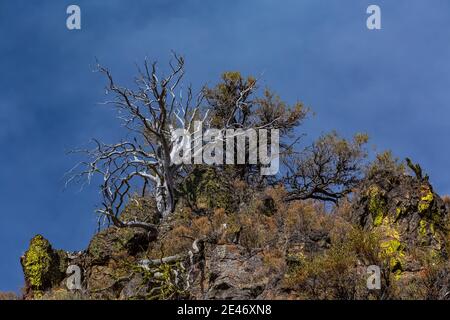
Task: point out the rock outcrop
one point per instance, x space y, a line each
264 249
43 267
407 212
231 272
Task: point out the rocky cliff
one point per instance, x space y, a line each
255 245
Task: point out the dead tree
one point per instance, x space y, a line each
151 112
328 170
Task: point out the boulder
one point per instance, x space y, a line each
116 242
406 212
231 272
43 266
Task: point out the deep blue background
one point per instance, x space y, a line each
392 84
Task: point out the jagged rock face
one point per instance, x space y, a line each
114 242
136 288
406 211
106 265
402 212
110 258
230 272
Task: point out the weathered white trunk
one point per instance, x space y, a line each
164 198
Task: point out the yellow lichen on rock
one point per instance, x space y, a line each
376 205
426 199
37 262
392 248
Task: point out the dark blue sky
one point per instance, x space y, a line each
392 84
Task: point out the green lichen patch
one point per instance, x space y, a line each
43 266
37 262
426 199
393 250
400 211
164 281
423 224
392 247
376 205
